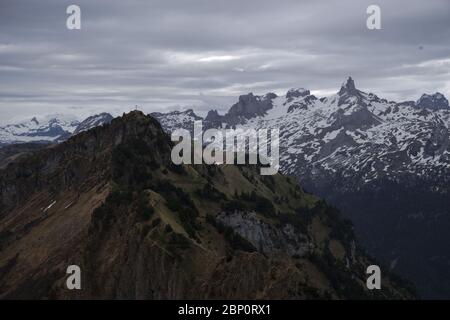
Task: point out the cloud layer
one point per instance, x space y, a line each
173 54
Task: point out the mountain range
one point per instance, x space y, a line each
111 201
49 129
384 164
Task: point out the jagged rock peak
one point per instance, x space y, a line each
251 98
213 115
434 101
297 92
250 106
348 86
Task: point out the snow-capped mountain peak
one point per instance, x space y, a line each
352 132
93 121
48 128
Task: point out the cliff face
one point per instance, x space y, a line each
111 201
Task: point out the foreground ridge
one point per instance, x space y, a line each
110 201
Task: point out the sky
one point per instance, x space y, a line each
163 55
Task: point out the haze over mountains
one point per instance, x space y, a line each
385 164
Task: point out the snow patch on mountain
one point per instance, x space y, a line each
352 132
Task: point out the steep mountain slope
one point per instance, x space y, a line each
111 201
385 164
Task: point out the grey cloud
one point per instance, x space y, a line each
174 54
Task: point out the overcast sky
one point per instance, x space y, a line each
174 54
